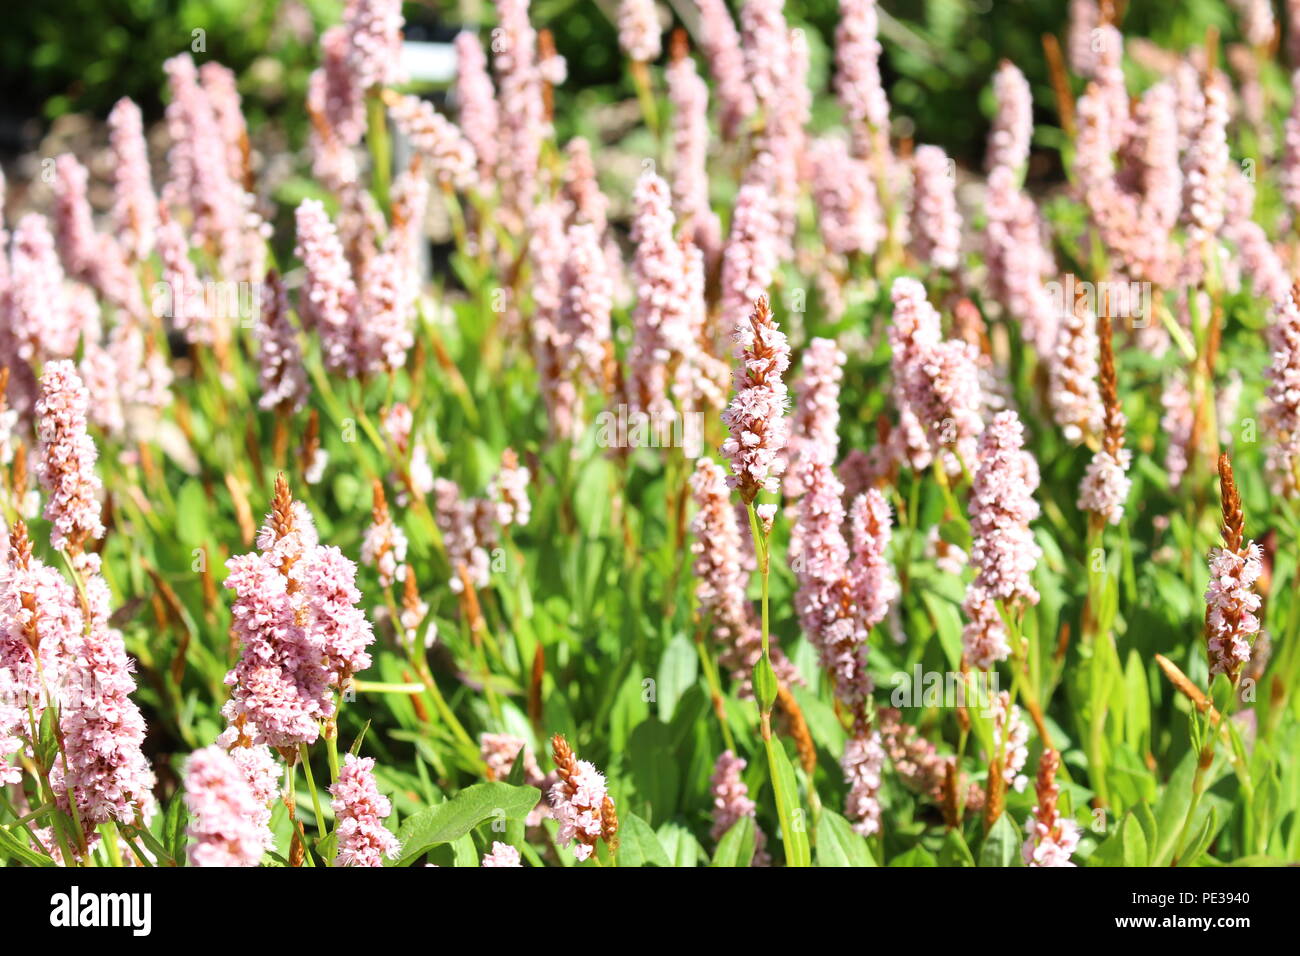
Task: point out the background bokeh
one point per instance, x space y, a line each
78 56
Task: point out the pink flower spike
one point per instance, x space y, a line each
501 854
226 825
360 810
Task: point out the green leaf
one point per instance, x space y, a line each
1133 842
1201 842
451 820
917 856
656 777
954 851
794 834
463 851
678 670
838 845
638 845
736 848
1145 819
173 829
11 847
1001 845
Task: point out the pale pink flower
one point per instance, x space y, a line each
857 68
1205 167
521 108
186 301
862 762
721 576
985 640
755 419
299 630
720 43
766 51
660 318
281 374
586 299
1072 375
1106 484
447 150
39 319
476 103
104 769
1231 621
1018 260
386 306
1282 412
847 204
1085 18
824 600
1161 177
221 87
360 810
465 533
199 167
67 459
1177 423
499 753
374 32
944 393
135 207
279 687
383 547
690 98
1003 550
1052 838
638 30
814 426
935 221
509 490
731 803
1257 21
1013 124
546 249
589 206
912 332
577 800
224 827
875 588
501 854
749 259
1010 736
39 614
337 112
328 301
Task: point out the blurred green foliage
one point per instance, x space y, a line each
81 55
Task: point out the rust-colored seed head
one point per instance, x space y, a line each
565 764
379 513
678 46
798 728
20 554
1114 434
609 822
951 813
410 592
19 471
282 507
20 544
1234 520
